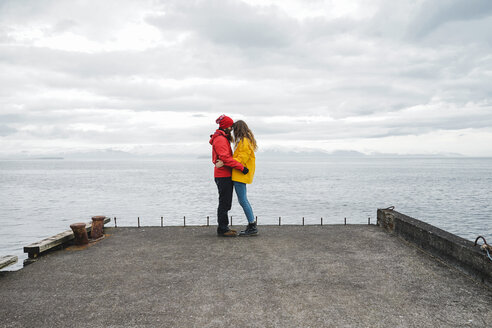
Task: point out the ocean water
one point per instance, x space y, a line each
39 198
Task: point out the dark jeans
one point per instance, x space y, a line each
225 187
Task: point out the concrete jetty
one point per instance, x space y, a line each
288 276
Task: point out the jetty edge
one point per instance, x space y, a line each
7 260
453 250
54 242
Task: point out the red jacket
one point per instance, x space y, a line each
221 149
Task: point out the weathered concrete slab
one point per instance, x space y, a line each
289 276
462 254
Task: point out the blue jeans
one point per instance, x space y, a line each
243 200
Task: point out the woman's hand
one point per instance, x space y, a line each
219 163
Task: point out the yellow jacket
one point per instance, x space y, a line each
245 154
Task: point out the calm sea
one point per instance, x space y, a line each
39 198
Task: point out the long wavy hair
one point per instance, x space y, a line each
241 131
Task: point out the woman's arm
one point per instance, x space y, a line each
243 151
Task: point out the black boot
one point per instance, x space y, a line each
251 230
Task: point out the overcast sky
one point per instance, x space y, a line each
406 77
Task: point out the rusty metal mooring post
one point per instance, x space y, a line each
303 220
116 226
80 233
162 221
208 221
345 221
97 226
279 220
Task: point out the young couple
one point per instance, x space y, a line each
233 171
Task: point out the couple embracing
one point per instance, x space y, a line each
233 171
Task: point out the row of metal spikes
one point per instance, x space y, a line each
208 221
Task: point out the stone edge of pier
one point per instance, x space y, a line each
453 250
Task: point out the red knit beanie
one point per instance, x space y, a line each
224 122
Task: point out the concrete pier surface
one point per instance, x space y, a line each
288 276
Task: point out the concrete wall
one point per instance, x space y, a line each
453 250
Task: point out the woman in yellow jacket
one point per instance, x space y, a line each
244 152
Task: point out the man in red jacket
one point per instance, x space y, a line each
221 149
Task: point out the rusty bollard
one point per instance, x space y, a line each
80 233
97 227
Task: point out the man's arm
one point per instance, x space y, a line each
222 150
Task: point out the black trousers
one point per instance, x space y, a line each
225 187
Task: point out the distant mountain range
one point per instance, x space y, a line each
111 154
309 154
344 154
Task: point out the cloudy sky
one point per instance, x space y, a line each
151 77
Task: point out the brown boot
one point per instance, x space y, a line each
229 233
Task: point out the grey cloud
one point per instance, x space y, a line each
10 118
422 70
103 75
6 130
433 14
404 123
465 33
230 23
99 20
159 62
64 25
5 35
419 128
